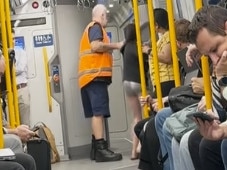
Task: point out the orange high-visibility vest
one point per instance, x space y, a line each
93 64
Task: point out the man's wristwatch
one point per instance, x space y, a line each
223 83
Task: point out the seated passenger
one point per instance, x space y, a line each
148 159
23 161
212 42
181 30
165 137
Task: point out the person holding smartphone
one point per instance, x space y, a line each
11 139
208 33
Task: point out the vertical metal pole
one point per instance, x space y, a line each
140 55
205 69
1 131
107 131
155 53
172 35
12 70
7 71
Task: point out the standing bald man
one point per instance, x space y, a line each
95 73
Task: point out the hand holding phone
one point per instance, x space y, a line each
202 116
35 128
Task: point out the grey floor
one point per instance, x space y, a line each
118 145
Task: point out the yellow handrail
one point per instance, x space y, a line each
154 53
172 34
7 71
8 24
13 71
1 131
205 69
141 65
47 79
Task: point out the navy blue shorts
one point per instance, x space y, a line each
95 99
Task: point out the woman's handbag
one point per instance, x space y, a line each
182 96
178 123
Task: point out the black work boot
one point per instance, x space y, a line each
92 153
103 154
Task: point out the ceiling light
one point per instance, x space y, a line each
111 5
107 11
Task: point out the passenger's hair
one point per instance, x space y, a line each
212 18
98 10
161 18
181 27
130 32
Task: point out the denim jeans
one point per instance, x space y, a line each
182 158
159 121
168 144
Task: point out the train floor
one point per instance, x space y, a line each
117 145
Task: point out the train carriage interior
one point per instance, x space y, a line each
56 26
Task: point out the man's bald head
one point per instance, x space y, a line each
99 14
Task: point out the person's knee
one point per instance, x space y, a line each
13 142
26 161
31 162
11 165
162 115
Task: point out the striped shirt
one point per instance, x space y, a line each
217 106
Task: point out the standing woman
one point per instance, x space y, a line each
131 79
164 53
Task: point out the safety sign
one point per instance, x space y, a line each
43 40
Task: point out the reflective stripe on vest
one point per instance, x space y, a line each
93 71
85 53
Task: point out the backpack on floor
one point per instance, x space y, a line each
45 133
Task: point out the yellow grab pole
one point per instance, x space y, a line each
1 131
207 84
154 53
205 69
172 34
7 71
13 71
198 4
139 48
8 24
47 79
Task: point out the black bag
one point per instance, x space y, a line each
149 147
181 97
39 149
45 133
